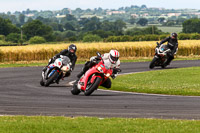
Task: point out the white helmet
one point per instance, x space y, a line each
113 56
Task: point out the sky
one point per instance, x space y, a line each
20 5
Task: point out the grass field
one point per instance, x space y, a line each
41 124
169 29
182 81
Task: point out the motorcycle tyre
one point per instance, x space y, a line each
152 64
50 80
164 66
42 82
93 87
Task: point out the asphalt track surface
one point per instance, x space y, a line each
21 94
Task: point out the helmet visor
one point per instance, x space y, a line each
174 35
114 58
72 51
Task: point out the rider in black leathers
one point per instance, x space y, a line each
71 53
172 45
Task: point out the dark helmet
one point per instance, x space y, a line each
174 35
72 49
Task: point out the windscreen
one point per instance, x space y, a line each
65 60
164 47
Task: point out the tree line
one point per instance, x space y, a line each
70 28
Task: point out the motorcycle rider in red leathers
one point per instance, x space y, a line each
111 61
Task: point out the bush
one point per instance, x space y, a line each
2 37
183 36
92 38
151 38
13 37
125 38
163 37
109 39
3 42
72 39
37 40
138 38
195 36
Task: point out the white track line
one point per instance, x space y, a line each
135 93
147 94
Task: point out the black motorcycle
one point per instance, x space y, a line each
160 56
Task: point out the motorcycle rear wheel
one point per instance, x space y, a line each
41 82
75 90
92 87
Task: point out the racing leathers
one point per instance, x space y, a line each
65 52
94 60
173 46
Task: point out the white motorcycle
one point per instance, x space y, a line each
160 56
56 71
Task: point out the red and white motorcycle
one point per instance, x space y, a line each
92 79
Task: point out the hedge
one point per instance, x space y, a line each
127 38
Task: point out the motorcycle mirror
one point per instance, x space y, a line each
98 54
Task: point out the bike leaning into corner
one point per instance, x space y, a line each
55 71
160 57
97 75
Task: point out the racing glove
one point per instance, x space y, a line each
113 76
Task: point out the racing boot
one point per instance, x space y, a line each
57 81
44 69
67 74
168 61
80 74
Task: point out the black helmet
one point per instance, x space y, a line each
174 35
72 49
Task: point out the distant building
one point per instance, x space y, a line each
144 15
134 15
29 15
115 12
60 16
196 14
173 14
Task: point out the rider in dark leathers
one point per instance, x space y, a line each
71 53
172 45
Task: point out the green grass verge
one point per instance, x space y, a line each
41 124
27 64
182 81
21 65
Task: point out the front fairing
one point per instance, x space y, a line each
94 72
56 66
161 52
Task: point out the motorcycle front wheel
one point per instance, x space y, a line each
152 64
53 77
92 87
